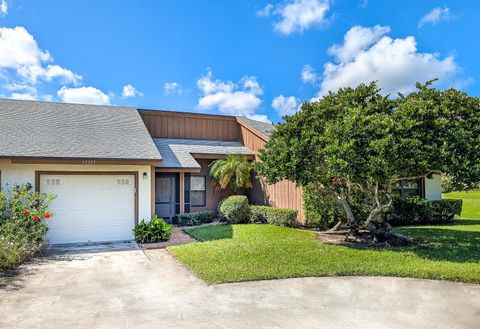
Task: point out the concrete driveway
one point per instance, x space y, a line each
122 287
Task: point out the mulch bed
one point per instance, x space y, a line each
178 237
362 239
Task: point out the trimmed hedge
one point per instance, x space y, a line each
445 210
419 211
235 210
196 218
274 216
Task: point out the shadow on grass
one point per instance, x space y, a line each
466 222
214 232
445 245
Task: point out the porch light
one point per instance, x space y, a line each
145 175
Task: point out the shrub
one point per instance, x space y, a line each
20 240
418 211
321 210
153 231
274 216
235 210
23 227
444 211
410 210
196 218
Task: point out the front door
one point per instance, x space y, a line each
165 197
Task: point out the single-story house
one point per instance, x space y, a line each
112 166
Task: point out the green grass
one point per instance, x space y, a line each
232 253
471 203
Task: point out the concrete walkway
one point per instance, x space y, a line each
124 287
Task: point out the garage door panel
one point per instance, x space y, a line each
85 234
89 199
83 217
90 207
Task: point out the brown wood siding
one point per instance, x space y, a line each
163 124
284 194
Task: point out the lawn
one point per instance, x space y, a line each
471 203
232 253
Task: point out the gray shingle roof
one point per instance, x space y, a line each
59 130
177 153
263 127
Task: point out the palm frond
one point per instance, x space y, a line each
233 172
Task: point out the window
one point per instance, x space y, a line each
409 187
123 181
197 191
53 181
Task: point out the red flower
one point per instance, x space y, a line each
47 215
26 212
35 217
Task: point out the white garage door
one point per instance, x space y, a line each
90 208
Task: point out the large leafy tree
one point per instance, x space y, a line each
233 172
357 143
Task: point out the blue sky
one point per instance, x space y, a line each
255 58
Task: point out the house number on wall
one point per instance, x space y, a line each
88 162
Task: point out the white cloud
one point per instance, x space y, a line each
208 86
297 15
230 98
234 103
251 85
174 87
285 105
357 39
130 91
65 75
24 66
20 87
3 7
20 53
309 75
24 91
24 96
265 11
435 16
368 54
83 95
18 48
259 117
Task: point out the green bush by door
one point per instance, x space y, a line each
155 230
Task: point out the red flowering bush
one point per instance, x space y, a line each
22 224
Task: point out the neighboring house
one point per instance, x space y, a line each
111 167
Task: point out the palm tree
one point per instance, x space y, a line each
232 172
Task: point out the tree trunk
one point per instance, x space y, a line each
350 222
382 231
338 226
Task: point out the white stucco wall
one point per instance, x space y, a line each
12 174
433 188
